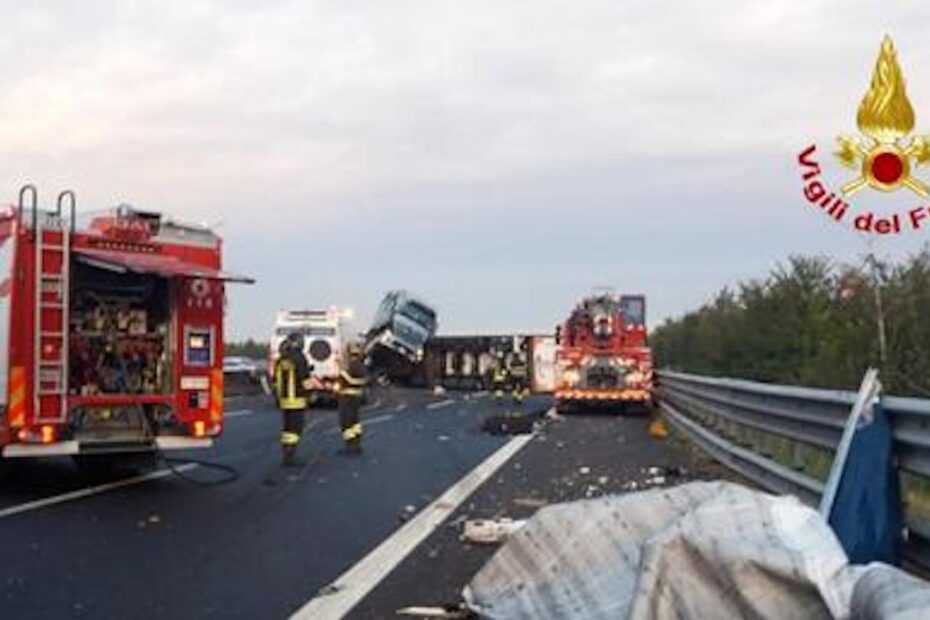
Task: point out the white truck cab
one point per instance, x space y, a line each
323 344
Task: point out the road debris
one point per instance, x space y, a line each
458 522
658 430
329 589
552 414
490 531
448 612
510 423
548 475
530 502
633 556
408 512
584 471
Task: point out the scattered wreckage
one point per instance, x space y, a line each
698 550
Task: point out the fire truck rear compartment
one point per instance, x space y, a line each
120 329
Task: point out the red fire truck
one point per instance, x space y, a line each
111 336
602 357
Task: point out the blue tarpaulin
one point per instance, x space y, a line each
866 512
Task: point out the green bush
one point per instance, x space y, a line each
811 322
250 349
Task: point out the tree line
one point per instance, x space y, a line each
814 322
249 348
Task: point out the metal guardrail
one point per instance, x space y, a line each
734 421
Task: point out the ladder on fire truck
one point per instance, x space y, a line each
52 285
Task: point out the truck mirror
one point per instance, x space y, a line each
558 334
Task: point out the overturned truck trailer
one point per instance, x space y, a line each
466 362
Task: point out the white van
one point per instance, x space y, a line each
323 344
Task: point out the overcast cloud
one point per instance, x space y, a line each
501 158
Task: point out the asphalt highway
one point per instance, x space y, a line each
156 545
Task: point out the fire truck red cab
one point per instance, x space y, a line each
111 336
602 357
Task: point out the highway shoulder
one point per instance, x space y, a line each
572 458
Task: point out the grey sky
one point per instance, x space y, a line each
500 158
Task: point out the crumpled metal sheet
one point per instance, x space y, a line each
696 551
882 592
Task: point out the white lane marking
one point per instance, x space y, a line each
480 394
378 419
95 490
373 405
239 413
399 408
313 424
366 423
353 585
440 404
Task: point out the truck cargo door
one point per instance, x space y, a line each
544 368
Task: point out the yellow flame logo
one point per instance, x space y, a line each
885 116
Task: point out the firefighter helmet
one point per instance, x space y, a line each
294 342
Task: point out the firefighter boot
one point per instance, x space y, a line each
290 437
352 436
290 457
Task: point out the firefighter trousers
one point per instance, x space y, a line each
292 427
500 388
349 421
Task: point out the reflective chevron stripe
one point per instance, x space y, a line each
17 406
216 395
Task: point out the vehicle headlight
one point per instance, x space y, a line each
571 377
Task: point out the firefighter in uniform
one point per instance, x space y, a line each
499 378
519 379
352 382
291 372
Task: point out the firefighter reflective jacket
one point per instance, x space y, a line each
519 371
354 379
290 372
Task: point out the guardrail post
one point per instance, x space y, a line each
797 456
